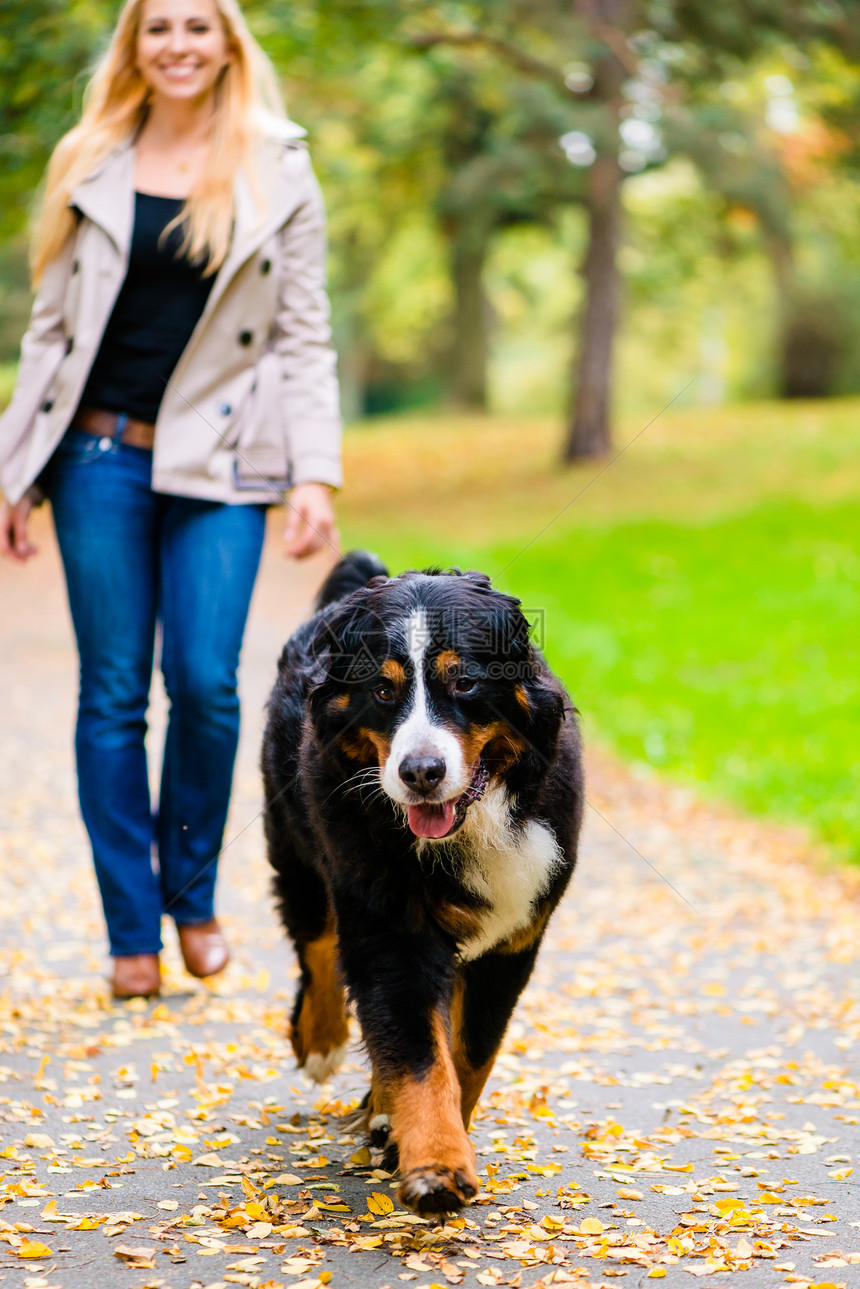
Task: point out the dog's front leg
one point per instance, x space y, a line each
437 1161
401 985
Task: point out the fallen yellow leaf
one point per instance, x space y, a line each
379 1203
591 1226
39 1141
34 1250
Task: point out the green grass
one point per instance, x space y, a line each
701 597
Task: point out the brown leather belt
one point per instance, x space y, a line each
104 425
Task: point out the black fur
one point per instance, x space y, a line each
345 859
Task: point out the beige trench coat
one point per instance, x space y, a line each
252 406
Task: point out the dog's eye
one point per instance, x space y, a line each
464 685
384 693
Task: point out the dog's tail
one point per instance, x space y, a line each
352 572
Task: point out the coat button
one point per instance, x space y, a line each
266 267
76 266
70 344
47 405
245 337
225 409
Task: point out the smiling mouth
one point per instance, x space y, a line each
443 818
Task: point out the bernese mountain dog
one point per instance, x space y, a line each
423 784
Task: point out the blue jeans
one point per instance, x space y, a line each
134 558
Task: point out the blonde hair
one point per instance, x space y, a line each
115 108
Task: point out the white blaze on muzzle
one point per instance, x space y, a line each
420 735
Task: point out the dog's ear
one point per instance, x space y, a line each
513 634
317 677
537 717
541 700
546 704
322 650
340 649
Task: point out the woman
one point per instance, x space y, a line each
176 376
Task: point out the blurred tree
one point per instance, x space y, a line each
666 57
644 87
608 25
45 52
501 165
819 147
449 116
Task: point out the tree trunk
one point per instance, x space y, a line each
350 333
353 361
589 432
590 429
467 382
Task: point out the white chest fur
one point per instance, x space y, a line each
509 868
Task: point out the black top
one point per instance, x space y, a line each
156 311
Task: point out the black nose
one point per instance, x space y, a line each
422 773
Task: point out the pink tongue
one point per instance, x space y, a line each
431 821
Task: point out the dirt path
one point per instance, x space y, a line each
678 1094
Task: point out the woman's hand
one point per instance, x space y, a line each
311 524
14 542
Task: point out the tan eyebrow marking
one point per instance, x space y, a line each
394 671
340 702
522 697
447 662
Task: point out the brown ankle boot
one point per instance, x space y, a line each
136 975
204 948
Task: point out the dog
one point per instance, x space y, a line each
423 788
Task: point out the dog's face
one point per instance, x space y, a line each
431 680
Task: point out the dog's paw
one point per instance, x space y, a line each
379 1130
320 1066
368 1121
434 1188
